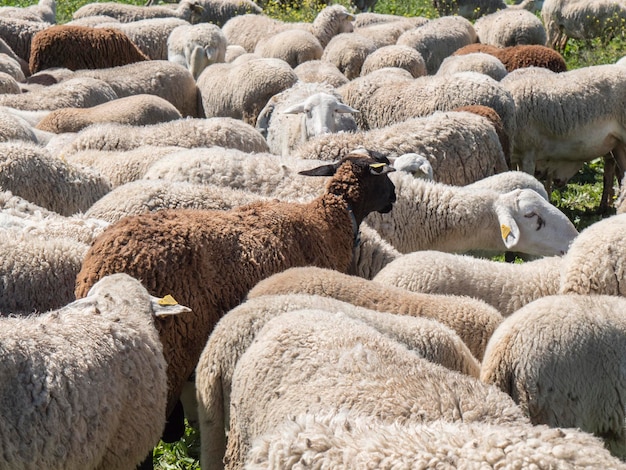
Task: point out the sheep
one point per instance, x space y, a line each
387 33
475 62
150 35
6 49
439 38
560 126
44 10
135 110
318 71
395 99
17 34
32 173
471 319
372 254
510 27
187 133
510 180
81 47
155 77
416 164
505 286
93 367
395 55
188 10
321 361
474 9
234 333
95 20
461 146
73 93
241 90
11 67
15 128
434 216
233 51
331 439
595 262
515 57
581 19
348 51
321 232
248 30
302 112
539 353
196 47
370 18
294 46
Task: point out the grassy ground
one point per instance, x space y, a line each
579 199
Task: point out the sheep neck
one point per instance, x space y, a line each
355 227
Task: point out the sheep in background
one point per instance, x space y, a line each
540 353
186 133
476 62
81 47
44 10
439 38
6 49
8 84
135 110
241 90
15 128
105 406
505 286
520 56
348 51
331 439
318 71
581 19
321 232
471 319
11 67
17 34
395 55
414 163
497 123
235 332
248 30
474 9
188 10
195 47
294 46
387 33
322 361
510 27
435 216
301 113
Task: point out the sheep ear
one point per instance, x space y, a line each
324 170
295 109
344 108
166 306
263 119
509 230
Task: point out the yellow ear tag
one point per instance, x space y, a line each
167 300
505 230
377 165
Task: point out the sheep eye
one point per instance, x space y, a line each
540 221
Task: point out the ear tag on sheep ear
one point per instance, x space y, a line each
377 167
505 230
167 300
167 306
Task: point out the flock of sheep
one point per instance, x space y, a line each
281 232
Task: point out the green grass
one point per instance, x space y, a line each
579 199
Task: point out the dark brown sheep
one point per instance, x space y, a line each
516 57
82 47
209 260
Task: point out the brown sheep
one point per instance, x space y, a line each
515 57
82 47
209 260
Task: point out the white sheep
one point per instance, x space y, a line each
85 384
29 171
320 361
18 34
294 46
14 127
395 55
302 112
475 62
43 10
505 286
330 440
12 67
540 354
348 51
187 133
439 38
234 333
188 10
196 46
318 71
241 89
435 216
386 33
510 27
474 9
6 50
581 19
414 163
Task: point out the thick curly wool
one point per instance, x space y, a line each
498 125
136 110
8 84
219 255
540 354
505 286
294 46
320 71
516 57
476 62
510 27
237 329
343 440
30 172
472 320
195 47
321 361
395 55
85 385
11 67
387 33
81 47
73 93
187 10
44 10
18 35
186 133
241 90
348 51
14 128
